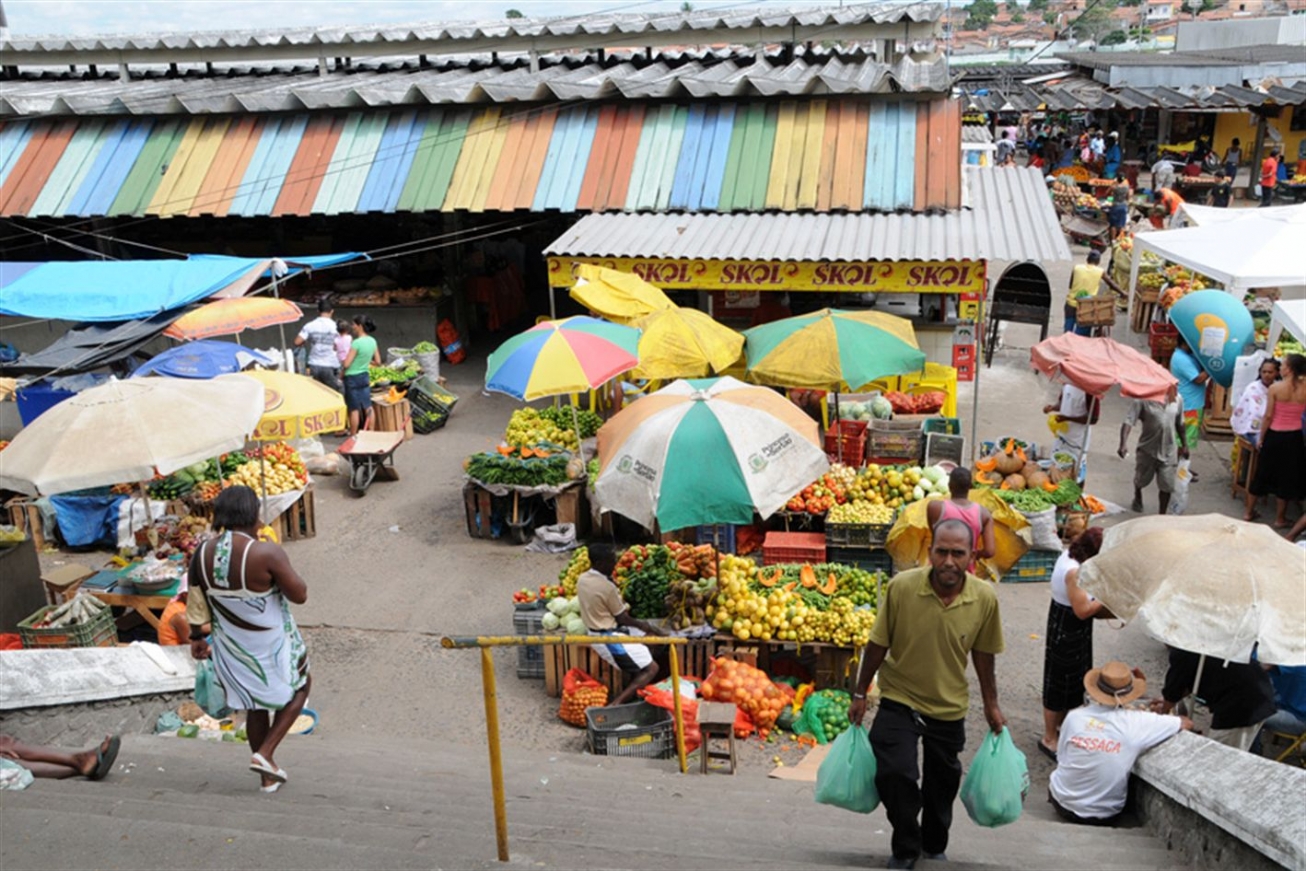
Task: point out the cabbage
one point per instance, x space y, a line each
557 606
573 606
917 492
551 622
934 474
881 409
575 626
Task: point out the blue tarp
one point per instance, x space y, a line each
87 520
116 290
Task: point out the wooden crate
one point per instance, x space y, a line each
26 518
1096 311
390 416
1216 421
477 501
298 521
695 661
572 506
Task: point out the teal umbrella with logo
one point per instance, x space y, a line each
701 451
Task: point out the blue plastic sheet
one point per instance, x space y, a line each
87 520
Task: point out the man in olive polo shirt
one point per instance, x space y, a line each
930 618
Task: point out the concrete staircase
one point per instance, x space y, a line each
173 804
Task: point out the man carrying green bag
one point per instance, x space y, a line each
846 777
931 620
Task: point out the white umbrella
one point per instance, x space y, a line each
1208 584
124 431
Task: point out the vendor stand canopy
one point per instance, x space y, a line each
124 432
832 349
294 406
1096 364
118 290
229 317
1290 315
202 359
571 355
621 297
706 451
1250 248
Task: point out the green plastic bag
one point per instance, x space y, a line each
846 778
209 694
995 787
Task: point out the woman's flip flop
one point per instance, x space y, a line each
258 764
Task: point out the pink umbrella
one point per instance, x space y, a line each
1095 365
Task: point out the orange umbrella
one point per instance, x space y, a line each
226 317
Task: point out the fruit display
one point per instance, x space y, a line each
232 461
562 417
861 511
1151 281
580 692
1287 345
645 583
576 566
563 616
529 468
687 601
766 603
528 428
382 375
1298 178
921 403
1125 242
277 465
182 481
878 408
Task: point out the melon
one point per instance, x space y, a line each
1030 469
1036 479
881 409
1009 464
1014 482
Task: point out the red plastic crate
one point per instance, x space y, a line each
853 450
1162 339
965 371
962 354
793 547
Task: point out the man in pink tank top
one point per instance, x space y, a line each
959 507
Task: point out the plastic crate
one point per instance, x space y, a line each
1035 565
530 658
1162 338
858 535
428 415
867 559
100 632
846 449
900 445
939 448
431 389
942 425
793 547
37 398
640 730
721 536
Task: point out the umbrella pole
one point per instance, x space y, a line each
263 480
1197 682
575 423
838 428
152 534
281 328
974 400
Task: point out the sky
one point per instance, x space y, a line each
97 17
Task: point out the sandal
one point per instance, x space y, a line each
260 765
105 758
1046 750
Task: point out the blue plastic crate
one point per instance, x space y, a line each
871 560
721 536
38 398
1035 565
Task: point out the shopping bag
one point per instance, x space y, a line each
209 694
995 787
846 777
579 692
1182 478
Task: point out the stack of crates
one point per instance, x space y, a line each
530 658
431 404
1035 565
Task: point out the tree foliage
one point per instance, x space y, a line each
1095 21
980 14
513 13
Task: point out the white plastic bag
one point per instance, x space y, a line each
1043 529
1179 498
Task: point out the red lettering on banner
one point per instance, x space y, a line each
750 274
938 276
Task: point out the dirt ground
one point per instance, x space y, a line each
393 570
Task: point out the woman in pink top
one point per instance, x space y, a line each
959 507
1281 451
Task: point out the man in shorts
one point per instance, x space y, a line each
604 613
1160 445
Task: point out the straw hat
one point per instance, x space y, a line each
1114 684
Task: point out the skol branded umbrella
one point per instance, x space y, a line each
571 355
832 349
1209 584
706 451
621 297
202 359
294 406
684 343
227 317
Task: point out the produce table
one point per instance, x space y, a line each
148 606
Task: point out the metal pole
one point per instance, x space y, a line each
281 328
680 719
975 385
496 760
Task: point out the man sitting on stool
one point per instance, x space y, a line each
604 613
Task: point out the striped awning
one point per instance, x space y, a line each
853 153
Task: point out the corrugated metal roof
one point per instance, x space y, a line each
1081 93
618 25
1011 218
820 154
810 73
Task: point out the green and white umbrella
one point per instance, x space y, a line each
704 451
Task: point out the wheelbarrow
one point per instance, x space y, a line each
371 453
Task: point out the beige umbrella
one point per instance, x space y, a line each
124 431
1208 584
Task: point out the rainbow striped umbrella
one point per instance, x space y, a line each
571 355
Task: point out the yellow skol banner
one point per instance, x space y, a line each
868 276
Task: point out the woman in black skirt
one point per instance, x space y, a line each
1068 647
1281 452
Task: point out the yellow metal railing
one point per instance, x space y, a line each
486 642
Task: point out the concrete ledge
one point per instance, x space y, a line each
1253 801
41 678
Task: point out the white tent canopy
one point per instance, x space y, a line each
1241 248
1288 315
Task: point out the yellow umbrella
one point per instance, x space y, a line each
295 406
619 296
684 343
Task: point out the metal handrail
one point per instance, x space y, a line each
487 642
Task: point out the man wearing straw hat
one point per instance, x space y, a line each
1100 742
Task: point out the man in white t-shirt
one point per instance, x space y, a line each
320 335
1100 742
1075 410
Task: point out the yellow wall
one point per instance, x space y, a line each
1243 125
